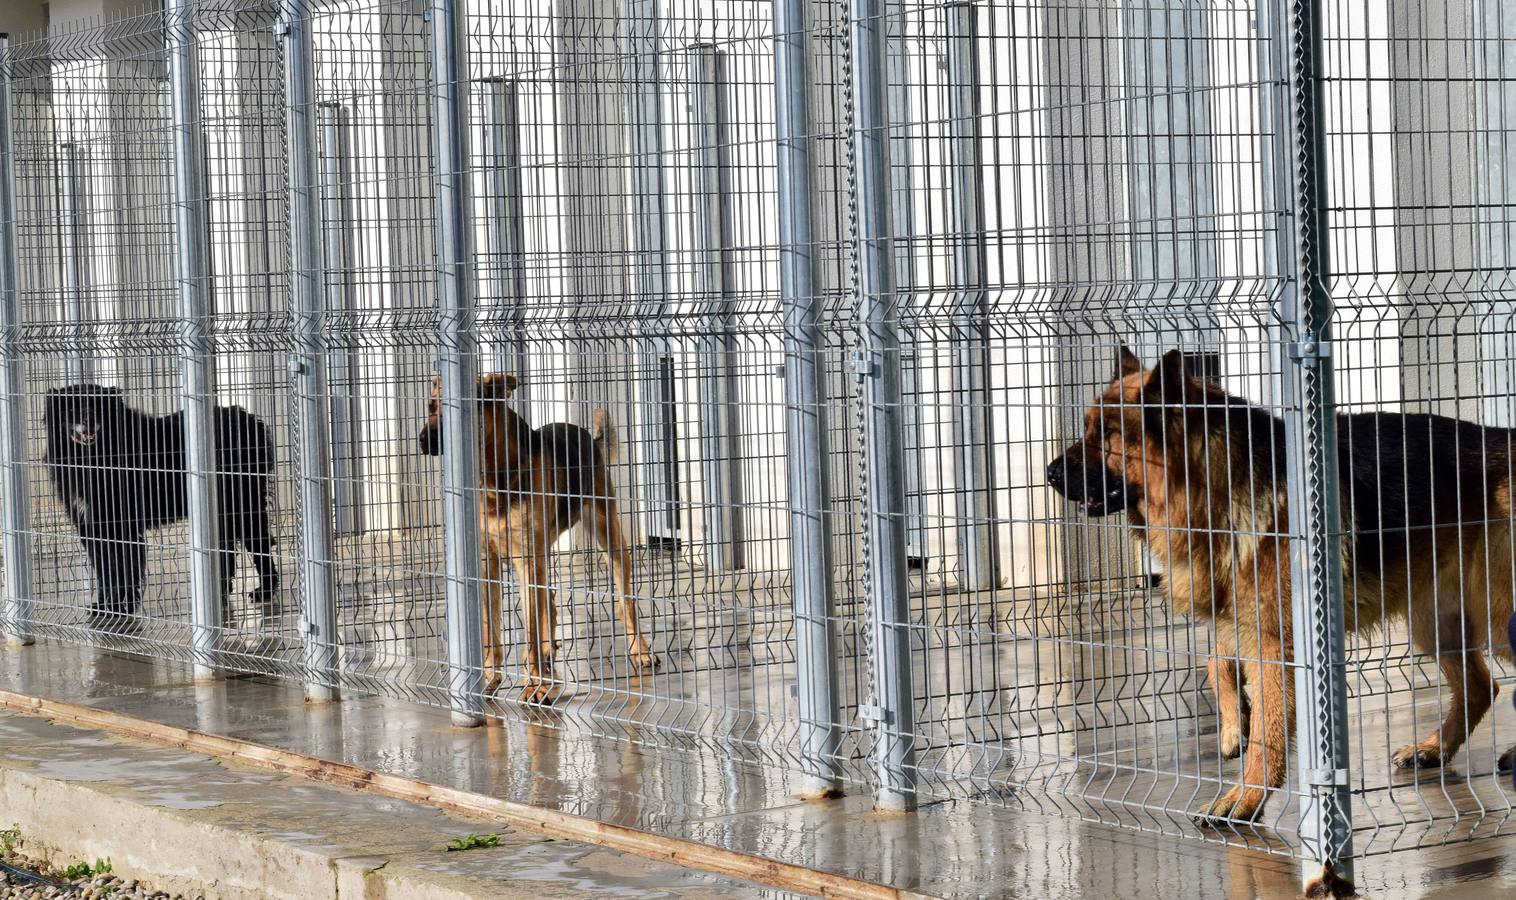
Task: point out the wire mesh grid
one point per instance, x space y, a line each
1063 180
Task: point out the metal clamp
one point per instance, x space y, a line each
876 715
298 365
1309 352
861 365
1326 778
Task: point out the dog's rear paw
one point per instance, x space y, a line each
1238 805
1507 761
1417 756
646 660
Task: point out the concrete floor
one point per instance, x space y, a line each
950 848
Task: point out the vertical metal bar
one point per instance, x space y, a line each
309 363
71 250
458 359
878 365
903 211
336 285
974 490
505 225
15 500
805 431
1494 194
1309 412
197 364
648 269
710 188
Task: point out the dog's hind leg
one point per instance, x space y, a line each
1472 692
258 540
603 521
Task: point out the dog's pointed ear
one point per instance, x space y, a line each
1126 363
436 385
496 386
1170 381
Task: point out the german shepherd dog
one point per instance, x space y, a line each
537 484
121 473
1426 506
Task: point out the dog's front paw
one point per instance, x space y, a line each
1418 756
538 693
1231 741
1239 804
646 660
1507 761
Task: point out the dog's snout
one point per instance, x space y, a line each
1057 473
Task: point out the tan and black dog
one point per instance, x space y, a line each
1200 473
537 484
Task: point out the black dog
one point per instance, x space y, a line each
120 472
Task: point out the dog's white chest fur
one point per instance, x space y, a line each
80 508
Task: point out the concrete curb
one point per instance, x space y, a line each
65 821
552 822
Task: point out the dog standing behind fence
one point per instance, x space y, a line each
121 473
537 484
1426 504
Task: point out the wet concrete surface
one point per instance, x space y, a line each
223 804
956 848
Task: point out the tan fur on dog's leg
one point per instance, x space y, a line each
493 632
1472 691
604 522
1223 677
1268 682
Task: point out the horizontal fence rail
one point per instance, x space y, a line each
1097 410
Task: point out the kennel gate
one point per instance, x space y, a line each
846 276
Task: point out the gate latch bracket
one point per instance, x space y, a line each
877 715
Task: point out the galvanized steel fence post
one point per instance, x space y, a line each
457 361
649 271
342 376
808 491
72 252
971 425
505 224
197 363
711 192
878 366
308 365
15 502
1309 412
903 210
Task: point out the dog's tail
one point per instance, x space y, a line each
604 434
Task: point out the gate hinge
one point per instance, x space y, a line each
876 714
1310 351
861 365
